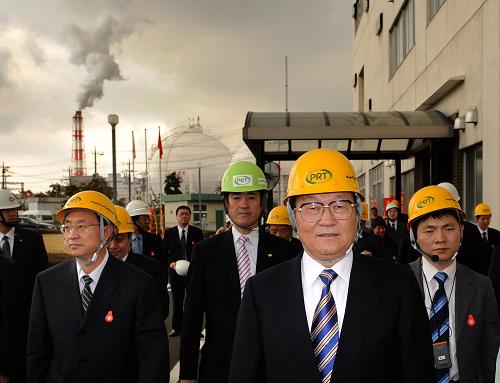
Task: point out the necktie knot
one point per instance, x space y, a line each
87 280
327 276
243 239
441 277
485 237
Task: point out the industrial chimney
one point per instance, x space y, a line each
78 164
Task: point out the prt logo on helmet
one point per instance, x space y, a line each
73 200
426 201
318 176
242 180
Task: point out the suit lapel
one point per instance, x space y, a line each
290 301
464 294
19 244
74 299
105 287
229 262
362 302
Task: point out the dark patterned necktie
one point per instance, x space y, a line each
325 328
183 245
87 292
5 250
439 321
485 238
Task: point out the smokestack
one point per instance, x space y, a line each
78 164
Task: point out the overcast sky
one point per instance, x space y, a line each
158 63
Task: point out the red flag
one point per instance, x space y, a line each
160 146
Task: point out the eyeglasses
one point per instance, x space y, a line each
313 211
79 228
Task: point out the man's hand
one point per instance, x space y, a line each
367 253
188 381
172 266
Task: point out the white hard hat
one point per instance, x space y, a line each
137 207
181 267
451 188
391 205
8 200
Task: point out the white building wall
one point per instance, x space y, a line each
461 40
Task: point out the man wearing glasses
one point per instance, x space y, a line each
95 318
330 315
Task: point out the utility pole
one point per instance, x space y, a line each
5 170
95 153
129 182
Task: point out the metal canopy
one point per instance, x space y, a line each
373 135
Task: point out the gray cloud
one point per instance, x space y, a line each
4 62
37 53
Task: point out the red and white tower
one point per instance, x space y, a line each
78 163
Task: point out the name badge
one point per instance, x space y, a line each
441 355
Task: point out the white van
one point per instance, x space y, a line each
40 215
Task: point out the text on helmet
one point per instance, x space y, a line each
318 176
242 180
425 202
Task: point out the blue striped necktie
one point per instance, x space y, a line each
325 328
439 321
86 292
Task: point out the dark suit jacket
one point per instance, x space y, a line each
385 334
493 241
65 345
400 232
152 246
471 253
214 290
477 346
155 269
9 302
494 274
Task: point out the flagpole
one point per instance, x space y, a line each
146 183
133 165
159 161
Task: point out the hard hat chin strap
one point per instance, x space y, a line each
102 242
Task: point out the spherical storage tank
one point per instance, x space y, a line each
188 151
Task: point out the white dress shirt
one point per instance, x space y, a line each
95 274
483 231
312 285
10 239
251 245
450 287
185 231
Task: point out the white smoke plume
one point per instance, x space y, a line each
92 49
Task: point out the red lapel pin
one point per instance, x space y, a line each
471 321
152 254
109 317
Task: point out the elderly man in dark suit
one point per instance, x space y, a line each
460 302
218 273
27 250
179 242
330 315
95 318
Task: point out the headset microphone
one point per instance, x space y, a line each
434 258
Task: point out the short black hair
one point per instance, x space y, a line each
374 209
182 207
436 214
378 221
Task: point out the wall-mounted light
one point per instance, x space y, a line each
459 123
471 116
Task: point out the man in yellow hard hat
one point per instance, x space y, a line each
490 237
220 266
93 317
120 247
330 315
280 226
460 303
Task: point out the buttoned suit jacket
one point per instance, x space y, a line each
152 246
400 232
383 337
494 274
66 345
156 270
214 290
477 344
493 241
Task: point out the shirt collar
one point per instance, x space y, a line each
482 231
312 268
180 228
430 271
253 236
9 234
134 236
96 273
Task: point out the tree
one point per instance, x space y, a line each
172 183
98 184
56 190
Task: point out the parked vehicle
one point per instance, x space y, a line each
30 223
40 215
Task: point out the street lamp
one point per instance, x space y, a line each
113 120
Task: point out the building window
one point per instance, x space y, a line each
196 212
473 178
362 185
407 187
359 7
402 36
434 6
377 187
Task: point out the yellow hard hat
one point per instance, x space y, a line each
430 199
395 202
322 171
278 216
364 211
482 209
93 201
125 224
